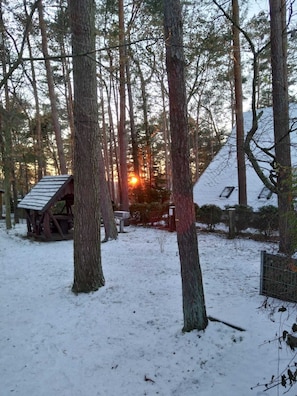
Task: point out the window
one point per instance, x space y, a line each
265 193
227 191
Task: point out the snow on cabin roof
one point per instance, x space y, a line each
220 177
48 190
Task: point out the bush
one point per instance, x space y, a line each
266 219
148 213
149 194
210 215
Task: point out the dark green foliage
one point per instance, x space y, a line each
154 7
110 6
147 193
148 213
266 219
59 207
210 215
150 205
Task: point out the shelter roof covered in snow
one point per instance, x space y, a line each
218 184
47 191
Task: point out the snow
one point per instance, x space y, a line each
126 338
222 171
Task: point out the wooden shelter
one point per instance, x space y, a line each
48 208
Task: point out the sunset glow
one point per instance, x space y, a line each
134 180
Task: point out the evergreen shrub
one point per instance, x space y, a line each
210 215
266 219
148 213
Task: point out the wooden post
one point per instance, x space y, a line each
1 203
121 226
231 212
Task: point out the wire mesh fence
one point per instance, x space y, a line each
278 277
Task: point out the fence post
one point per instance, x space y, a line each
263 253
171 218
231 212
121 225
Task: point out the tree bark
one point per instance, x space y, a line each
122 129
166 134
147 133
282 165
113 153
69 100
134 140
192 288
39 151
5 128
88 274
110 227
241 168
51 90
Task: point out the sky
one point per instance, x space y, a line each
258 5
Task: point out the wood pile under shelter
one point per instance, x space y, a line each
48 208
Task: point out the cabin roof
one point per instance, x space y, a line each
46 192
218 184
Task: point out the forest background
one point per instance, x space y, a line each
36 117
91 91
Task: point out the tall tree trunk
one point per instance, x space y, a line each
166 139
6 129
66 70
69 99
106 207
281 122
110 227
39 150
88 274
134 141
15 197
144 105
241 168
113 154
51 90
104 137
122 129
192 287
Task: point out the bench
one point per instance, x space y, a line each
121 216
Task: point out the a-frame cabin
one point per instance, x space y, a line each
218 184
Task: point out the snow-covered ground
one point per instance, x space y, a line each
126 338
